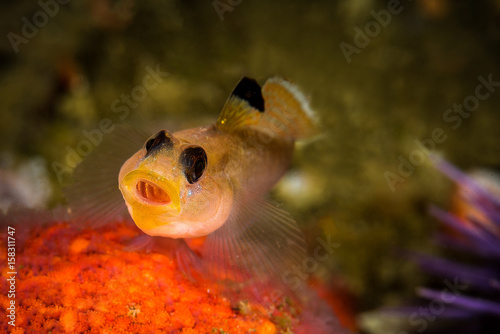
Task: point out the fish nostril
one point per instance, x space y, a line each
152 193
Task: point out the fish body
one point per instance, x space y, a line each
204 191
201 195
242 156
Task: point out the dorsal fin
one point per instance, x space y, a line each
287 110
243 106
250 91
279 106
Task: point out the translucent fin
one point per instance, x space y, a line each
318 317
255 249
143 242
287 110
190 263
26 218
279 107
94 197
27 221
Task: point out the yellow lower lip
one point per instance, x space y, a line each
150 198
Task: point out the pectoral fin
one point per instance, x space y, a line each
255 248
94 197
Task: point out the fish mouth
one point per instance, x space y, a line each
146 190
151 193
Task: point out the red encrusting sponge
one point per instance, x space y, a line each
84 281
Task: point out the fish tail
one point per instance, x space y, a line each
287 112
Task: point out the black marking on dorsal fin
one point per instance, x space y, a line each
250 91
161 139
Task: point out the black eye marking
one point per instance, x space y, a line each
250 91
161 139
194 162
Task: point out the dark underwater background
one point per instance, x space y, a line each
385 78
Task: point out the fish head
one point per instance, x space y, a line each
172 188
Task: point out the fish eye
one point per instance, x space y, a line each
149 144
194 162
161 139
